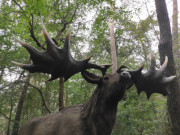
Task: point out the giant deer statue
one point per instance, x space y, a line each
97 115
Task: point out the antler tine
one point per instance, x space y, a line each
162 69
68 34
152 66
89 58
18 64
21 42
153 63
102 68
168 79
34 53
25 45
50 42
140 69
23 66
67 40
29 67
105 68
164 65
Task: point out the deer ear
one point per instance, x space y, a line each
91 78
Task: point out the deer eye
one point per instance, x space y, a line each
106 78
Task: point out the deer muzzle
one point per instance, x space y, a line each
125 75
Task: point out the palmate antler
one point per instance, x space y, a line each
56 61
154 81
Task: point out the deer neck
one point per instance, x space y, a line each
99 114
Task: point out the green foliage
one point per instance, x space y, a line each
18 19
137 115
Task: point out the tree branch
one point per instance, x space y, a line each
155 31
23 12
5 116
31 29
11 85
41 94
20 81
65 24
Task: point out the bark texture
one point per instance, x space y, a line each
19 107
175 29
112 43
165 49
61 93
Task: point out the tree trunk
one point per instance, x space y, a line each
19 107
165 49
61 79
61 93
175 29
10 115
112 43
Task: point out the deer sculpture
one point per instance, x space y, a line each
97 115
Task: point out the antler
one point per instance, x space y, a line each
154 80
56 61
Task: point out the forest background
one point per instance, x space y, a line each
136 37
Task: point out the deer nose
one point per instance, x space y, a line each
125 75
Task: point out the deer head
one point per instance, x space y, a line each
56 61
101 109
153 81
